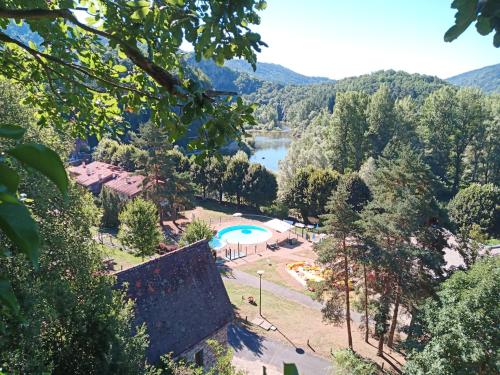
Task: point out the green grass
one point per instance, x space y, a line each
122 258
271 274
493 241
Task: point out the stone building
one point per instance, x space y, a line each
183 302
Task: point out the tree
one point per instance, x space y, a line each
17 147
476 204
106 150
195 231
380 118
450 120
309 190
349 127
111 206
216 170
93 69
71 320
138 227
234 177
484 13
359 193
129 157
260 186
335 252
459 326
406 248
166 186
297 193
199 175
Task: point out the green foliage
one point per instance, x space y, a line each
309 190
460 329
111 206
476 204
485 13
450 121
260 186
276 209
139 227
70 320
196 230
347 362
223 365
16 222
234 176
93 70
359 193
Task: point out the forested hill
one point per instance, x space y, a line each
487 79
274 73
297 106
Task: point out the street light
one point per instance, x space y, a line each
260 273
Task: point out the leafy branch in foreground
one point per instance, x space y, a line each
486 13
125 56
16 222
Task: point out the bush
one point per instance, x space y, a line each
349 363
277 209
195 231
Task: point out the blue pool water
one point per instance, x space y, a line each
242 234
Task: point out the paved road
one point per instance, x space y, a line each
244 278
252 347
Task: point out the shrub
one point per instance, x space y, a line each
349 363
195 231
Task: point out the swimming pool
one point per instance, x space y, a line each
242 234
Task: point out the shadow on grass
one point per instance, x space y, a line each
225 271
241 337
298 350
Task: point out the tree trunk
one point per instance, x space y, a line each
220 196
380 350
347 302
367 329
390 339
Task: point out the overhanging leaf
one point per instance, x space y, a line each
44 160
11 131
18 225
9 178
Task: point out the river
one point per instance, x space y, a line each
270 148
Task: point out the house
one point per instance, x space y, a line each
93 175
182 301
126 185
96 175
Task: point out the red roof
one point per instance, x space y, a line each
126 184
89 174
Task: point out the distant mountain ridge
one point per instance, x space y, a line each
487 79
275 73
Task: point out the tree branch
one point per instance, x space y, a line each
157 73
36 54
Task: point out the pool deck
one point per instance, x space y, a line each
260 249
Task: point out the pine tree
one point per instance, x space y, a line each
336 253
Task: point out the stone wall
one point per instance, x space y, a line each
208 356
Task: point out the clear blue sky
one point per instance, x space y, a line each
341 38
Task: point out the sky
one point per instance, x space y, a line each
342 38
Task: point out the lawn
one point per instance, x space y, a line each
493 241
270 267
298 325
122 258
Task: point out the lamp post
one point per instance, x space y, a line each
260 273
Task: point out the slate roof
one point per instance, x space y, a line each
181 298
127 184
95 172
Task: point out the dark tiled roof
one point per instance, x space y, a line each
127 184
181 298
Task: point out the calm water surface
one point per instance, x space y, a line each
270 148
